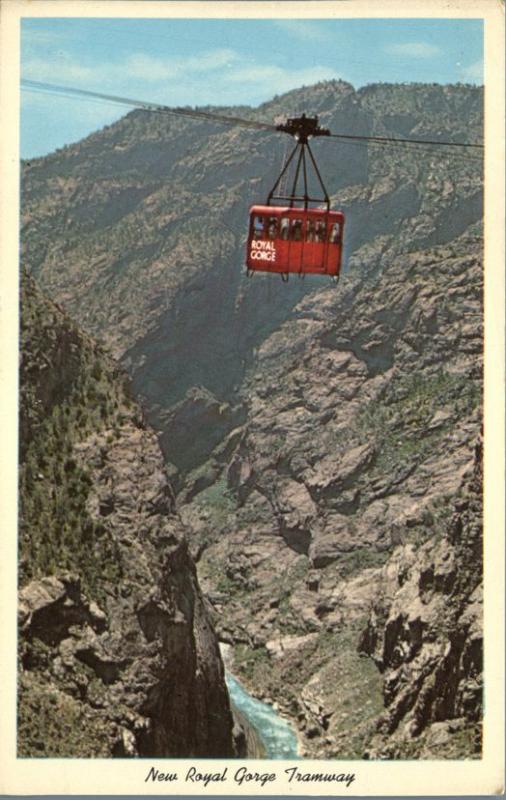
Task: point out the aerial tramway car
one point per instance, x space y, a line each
293 237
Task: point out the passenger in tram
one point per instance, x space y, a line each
320 231
285 225
272 228
335 233
296 230
310 231
258 227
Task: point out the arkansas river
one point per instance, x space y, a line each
276 734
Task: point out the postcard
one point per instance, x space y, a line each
252 365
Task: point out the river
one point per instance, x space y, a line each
276 734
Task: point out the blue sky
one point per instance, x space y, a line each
224 62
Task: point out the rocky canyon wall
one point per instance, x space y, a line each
117 655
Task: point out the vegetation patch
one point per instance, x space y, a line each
217 501
52 724
355 561
399 423
69 391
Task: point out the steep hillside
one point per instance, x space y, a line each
117 655
323 443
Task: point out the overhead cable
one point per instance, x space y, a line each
70 91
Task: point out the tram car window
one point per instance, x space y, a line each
320 231
272 229
258 227
296 230
334 233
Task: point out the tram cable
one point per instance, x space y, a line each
397 146
70 91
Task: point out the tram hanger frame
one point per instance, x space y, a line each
301 128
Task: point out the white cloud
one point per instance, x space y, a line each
145 67
63 68
277 79
473 72
413 49
214 59
60 69
308 31
140 65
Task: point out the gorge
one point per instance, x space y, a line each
321 444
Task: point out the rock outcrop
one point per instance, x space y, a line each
425 634
117 654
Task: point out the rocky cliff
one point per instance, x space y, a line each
321 441
117 655
363 413
425 634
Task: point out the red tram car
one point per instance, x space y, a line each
293 237
295 240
